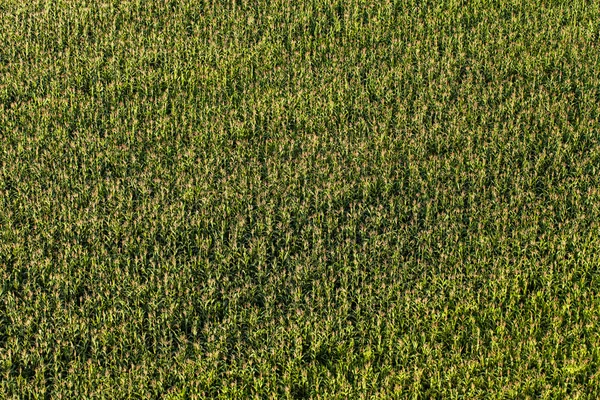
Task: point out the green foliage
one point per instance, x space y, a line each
316 199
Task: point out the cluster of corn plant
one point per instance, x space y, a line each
318 199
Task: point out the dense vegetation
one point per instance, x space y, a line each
299 199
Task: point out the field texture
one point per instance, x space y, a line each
312 199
